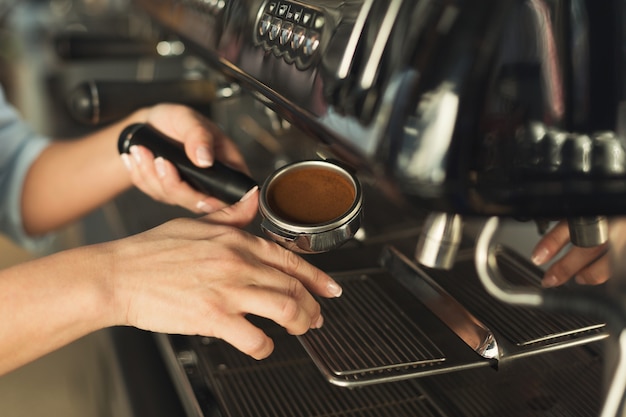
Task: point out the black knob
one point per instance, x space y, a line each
85 45
96 102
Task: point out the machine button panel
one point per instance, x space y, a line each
291 31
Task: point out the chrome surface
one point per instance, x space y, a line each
447 308
357 31
491 276
439 240
588 232
374 61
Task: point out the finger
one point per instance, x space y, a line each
187 126
239 214
551 244
314 279
243 335
596 273
199 143
283 300
143 171
180 192
570 264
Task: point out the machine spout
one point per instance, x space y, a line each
439 240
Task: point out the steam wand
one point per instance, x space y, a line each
585 302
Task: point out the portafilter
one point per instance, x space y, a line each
307 206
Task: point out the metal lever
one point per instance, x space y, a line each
373 63
350 53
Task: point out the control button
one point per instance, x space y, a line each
283 8
298 38
306 18
286 33
311 43
297 15
275 28
264 24
271 7
319 22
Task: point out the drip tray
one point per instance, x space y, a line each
401 322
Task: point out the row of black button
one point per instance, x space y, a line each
296 14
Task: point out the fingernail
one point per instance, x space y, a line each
159 165
204 156
134 151
334 289
126 161
319 323
205 207
249 194
549 281
540 256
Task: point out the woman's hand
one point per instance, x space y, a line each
73 177
204 142
588 266
202 277
189 276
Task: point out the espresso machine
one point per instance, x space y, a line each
457 112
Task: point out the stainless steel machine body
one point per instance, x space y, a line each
448 110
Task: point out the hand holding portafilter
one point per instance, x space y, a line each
219 180
296 201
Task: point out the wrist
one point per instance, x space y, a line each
96 284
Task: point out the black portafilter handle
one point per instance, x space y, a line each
219 181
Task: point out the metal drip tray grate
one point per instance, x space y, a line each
271 392
404 321
378 331
373 334
288 384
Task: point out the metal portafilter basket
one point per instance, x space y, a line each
307 206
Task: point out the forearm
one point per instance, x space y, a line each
49 302
72 178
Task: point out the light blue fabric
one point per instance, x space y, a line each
19 147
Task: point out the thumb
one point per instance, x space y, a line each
239 214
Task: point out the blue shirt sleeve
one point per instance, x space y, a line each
19 147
